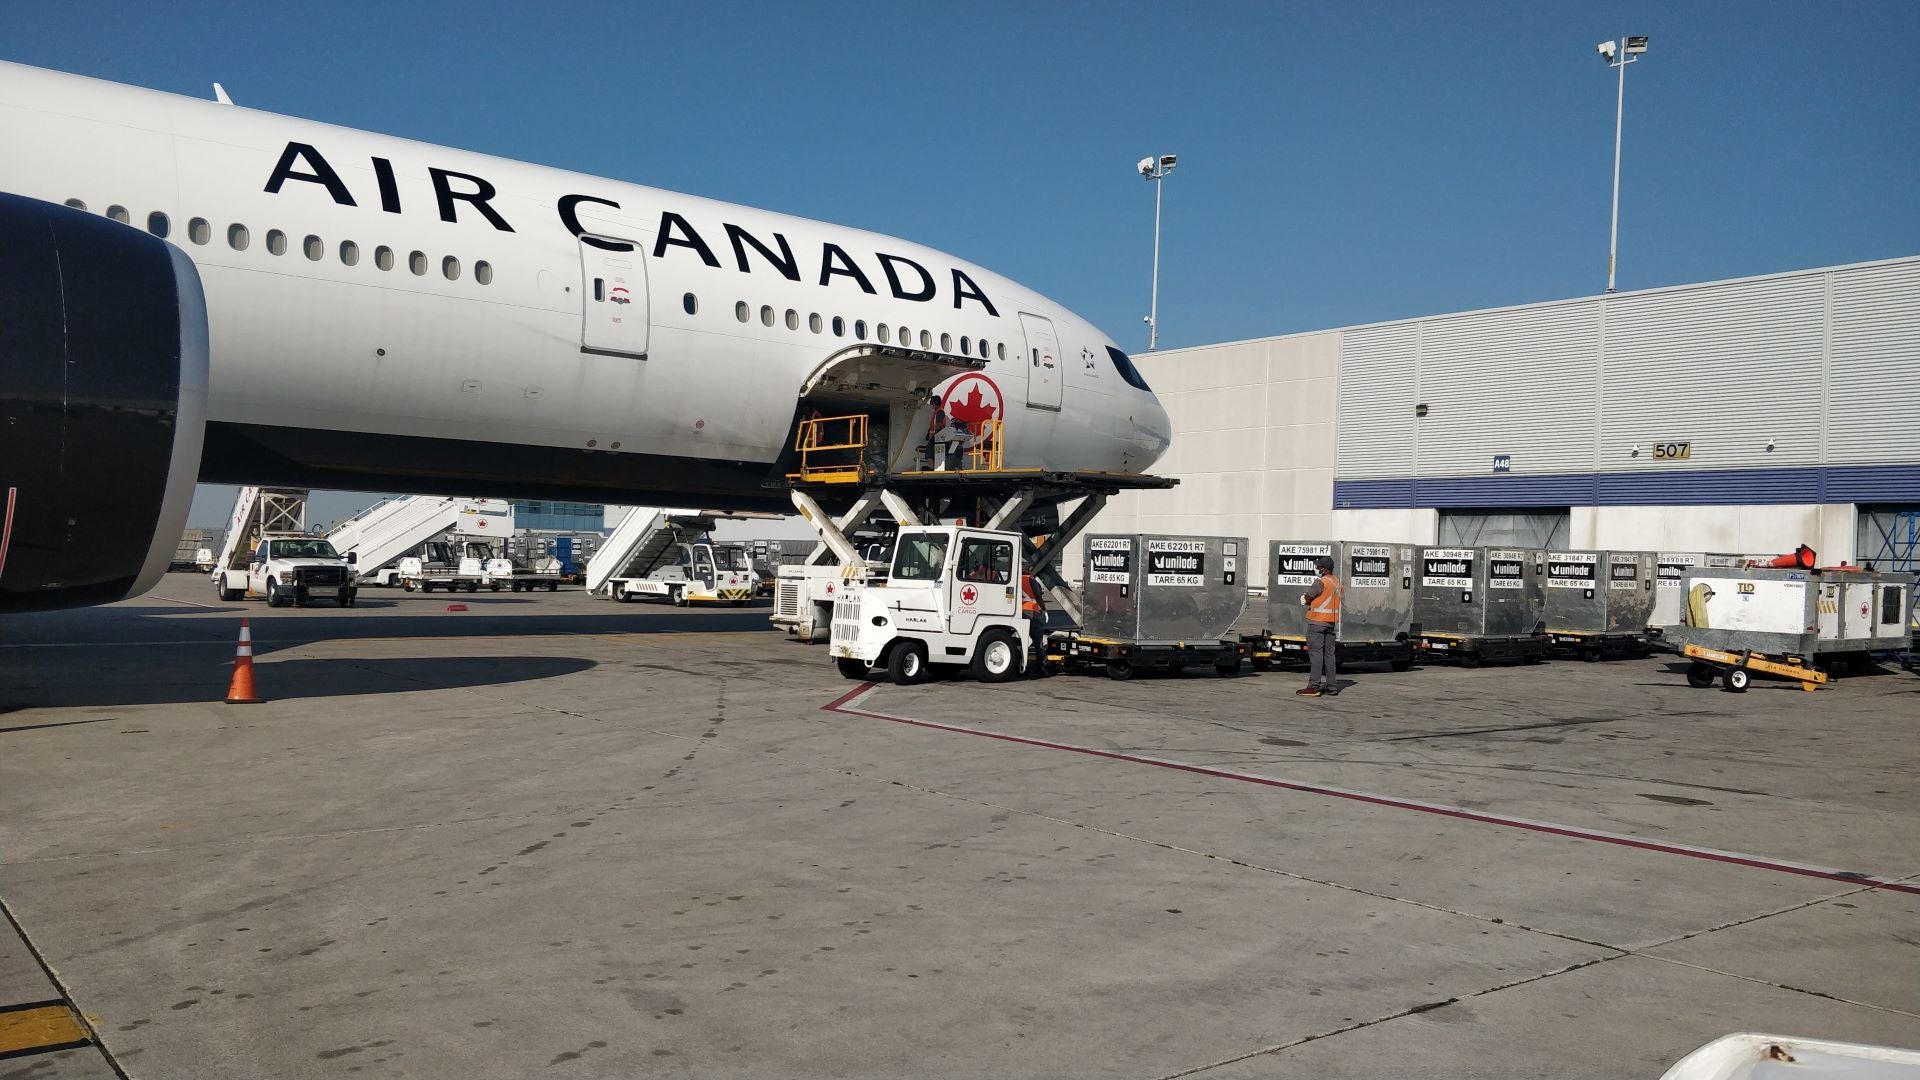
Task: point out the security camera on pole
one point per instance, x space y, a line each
1156 170
1618 55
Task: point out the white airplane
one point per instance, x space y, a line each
194 291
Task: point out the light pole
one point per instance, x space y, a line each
1156 170
1618 55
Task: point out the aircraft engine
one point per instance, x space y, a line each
103 396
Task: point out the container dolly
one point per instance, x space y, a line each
1121 660
1472 651
1732 669
1594 646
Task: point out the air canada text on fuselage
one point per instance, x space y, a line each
904 278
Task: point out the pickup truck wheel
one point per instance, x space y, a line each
552 586
907 664
473 586
495 586
275 598
347 597
857 670
996 658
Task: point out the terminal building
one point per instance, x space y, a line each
1745 416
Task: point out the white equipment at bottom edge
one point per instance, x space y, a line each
1751 1056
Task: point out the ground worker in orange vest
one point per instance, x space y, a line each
1323 620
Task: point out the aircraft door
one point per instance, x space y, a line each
1043 362
614 298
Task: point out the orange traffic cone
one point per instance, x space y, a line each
240 691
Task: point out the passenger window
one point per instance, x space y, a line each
158 225
276 242
77 204
383 257
860 329
417 262
450 268
813 322
119 214
987 561
793 319
766 314
349 253
199 231
690 304
946 343
881 332
966 345
742 311
906 337
983 350
316 248
237 237
926 339
483 272
839 326
1000 349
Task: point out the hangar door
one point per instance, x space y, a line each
614 300
1505 528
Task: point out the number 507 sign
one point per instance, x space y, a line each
1668 451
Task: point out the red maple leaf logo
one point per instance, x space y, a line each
973 410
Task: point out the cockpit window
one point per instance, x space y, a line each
1124 365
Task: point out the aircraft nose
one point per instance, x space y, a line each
1154 427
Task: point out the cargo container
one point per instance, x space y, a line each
1376 600
1668 596
1599 602
1154 602
1481 604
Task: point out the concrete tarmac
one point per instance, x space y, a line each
558 836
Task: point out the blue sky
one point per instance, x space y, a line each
1339 163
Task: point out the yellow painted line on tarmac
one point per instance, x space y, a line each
39 1029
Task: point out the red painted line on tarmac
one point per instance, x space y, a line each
6 529
844 705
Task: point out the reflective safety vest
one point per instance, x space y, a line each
1326 607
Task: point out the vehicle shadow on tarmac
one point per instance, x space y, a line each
272 633
205 680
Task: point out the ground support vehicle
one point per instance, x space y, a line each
290 569
386 532
669 554
1122 660
1837 619
1472 651
951 601
454 564
1376 601
1731 669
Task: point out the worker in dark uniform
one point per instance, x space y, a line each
1323 623
935 426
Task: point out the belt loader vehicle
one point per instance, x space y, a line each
951 600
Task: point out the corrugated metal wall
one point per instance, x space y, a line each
1821 364
1873 378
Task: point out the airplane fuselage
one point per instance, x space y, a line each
384 313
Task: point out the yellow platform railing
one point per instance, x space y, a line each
988 452
830 449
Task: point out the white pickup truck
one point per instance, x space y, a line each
290 569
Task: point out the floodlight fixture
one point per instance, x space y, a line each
1636 45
